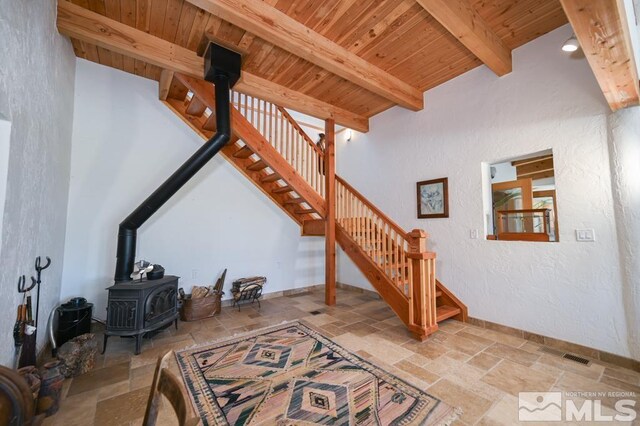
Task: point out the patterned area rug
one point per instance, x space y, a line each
293 375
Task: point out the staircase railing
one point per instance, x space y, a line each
401 256
286 136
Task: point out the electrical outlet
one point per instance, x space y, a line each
474 234
194 274
585 235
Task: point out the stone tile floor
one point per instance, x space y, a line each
479 370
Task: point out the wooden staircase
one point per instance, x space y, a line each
273 151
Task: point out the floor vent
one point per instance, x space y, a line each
315 312
576 358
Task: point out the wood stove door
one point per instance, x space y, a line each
121 315
161 303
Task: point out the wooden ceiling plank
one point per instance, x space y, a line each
80 23
171 20
276 27
112 11
602 29
157 12
286 63
390 20
128 17
143 15
197 29
463 21
187 17
414 18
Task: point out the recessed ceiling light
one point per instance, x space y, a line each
571 45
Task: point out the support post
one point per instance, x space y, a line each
330 230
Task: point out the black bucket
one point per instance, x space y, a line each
74 319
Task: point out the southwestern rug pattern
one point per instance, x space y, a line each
293 375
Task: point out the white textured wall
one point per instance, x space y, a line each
567 290
624 142
36 96
125 144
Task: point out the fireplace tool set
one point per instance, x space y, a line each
25 328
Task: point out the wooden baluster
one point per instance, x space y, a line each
259 116
280 132
265 116
272 123
314 163
309 159
368 231
291 144
403 269
296 149
378 240
396 267
383 238
287 155
371 236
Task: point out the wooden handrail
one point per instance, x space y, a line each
377 211
295 124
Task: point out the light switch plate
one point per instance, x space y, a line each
585 235
474 234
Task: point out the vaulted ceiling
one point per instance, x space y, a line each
352 58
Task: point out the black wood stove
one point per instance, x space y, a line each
138 307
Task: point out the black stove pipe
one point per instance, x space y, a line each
128 228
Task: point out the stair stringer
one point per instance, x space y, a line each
259 145
227 153
378 279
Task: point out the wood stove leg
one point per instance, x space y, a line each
104 344
138 343
176 323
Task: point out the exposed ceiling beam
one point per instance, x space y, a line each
461 20
602 29
268 23
82 24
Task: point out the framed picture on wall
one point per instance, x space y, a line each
433 198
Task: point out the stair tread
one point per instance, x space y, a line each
195 107
282 189
244 152
305 211
445 311
271 178
257 166
296 200
210 124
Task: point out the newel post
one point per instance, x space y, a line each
422 284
